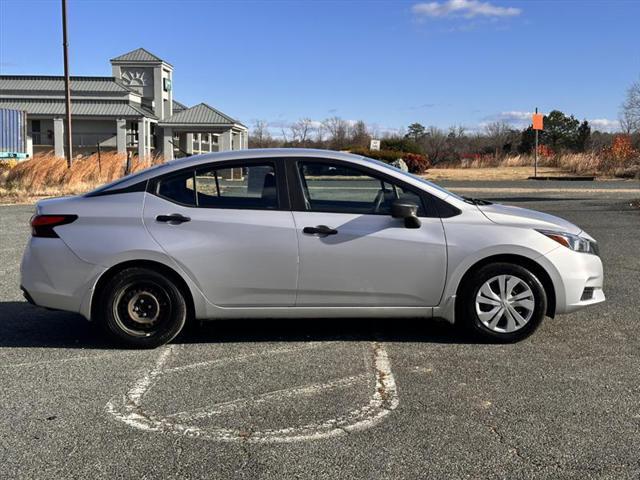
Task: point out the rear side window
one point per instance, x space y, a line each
234 187
179 188
250 186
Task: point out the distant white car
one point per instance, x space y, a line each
300 234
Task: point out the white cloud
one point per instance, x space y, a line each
516 118
604 125
521 119
464 8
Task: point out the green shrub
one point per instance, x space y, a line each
400 145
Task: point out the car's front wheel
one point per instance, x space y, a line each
502 302
142 308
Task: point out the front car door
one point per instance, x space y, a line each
229 226
364 257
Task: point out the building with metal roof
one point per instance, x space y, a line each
132 110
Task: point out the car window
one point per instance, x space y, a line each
329 187
242 186
178 188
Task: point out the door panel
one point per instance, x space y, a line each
371 260
237 257
222 224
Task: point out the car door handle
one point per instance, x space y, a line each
319 230
173 218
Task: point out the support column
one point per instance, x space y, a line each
245 140
121 135
167 143
58 137
189 140
183 143
149 139
224 141
142 138
30 147
210 138
199 142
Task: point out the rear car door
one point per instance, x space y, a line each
229 226
352 252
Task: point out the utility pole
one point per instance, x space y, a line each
535 165
65 47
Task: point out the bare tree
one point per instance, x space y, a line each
630 110
337 129
260 136
498 134
320 133
360 135
302 130
434 144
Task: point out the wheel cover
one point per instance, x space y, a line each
141 308
505 304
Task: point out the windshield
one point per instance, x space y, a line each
416 177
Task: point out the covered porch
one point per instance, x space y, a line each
200 129
180 142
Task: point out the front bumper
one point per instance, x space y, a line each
579 279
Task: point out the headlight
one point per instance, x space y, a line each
573 242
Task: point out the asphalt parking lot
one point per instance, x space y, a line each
338 398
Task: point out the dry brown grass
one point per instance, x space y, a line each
46 175
574 163
490 174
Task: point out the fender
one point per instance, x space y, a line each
199 301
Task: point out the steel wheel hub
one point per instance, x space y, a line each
505 303
143 307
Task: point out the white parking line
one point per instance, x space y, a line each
240 358
129 409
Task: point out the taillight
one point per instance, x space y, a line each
42 225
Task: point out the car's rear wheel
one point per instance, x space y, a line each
502 302
142 308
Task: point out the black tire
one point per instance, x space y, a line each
142 308
466 310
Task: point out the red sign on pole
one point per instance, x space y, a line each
537 121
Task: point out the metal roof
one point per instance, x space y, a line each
56 83
178 107
201 114
137 55
94 108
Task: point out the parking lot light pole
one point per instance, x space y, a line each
65 48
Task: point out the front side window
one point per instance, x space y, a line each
242 186
329 187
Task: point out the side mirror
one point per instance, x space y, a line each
408 211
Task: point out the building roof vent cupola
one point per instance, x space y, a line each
137 55
148 75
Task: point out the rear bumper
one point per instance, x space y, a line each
579 281
27 296
52 276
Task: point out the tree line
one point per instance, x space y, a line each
562 134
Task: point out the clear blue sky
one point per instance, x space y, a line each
390 63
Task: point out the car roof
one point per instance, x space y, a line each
207 158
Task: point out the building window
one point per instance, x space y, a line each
132 133
36 135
